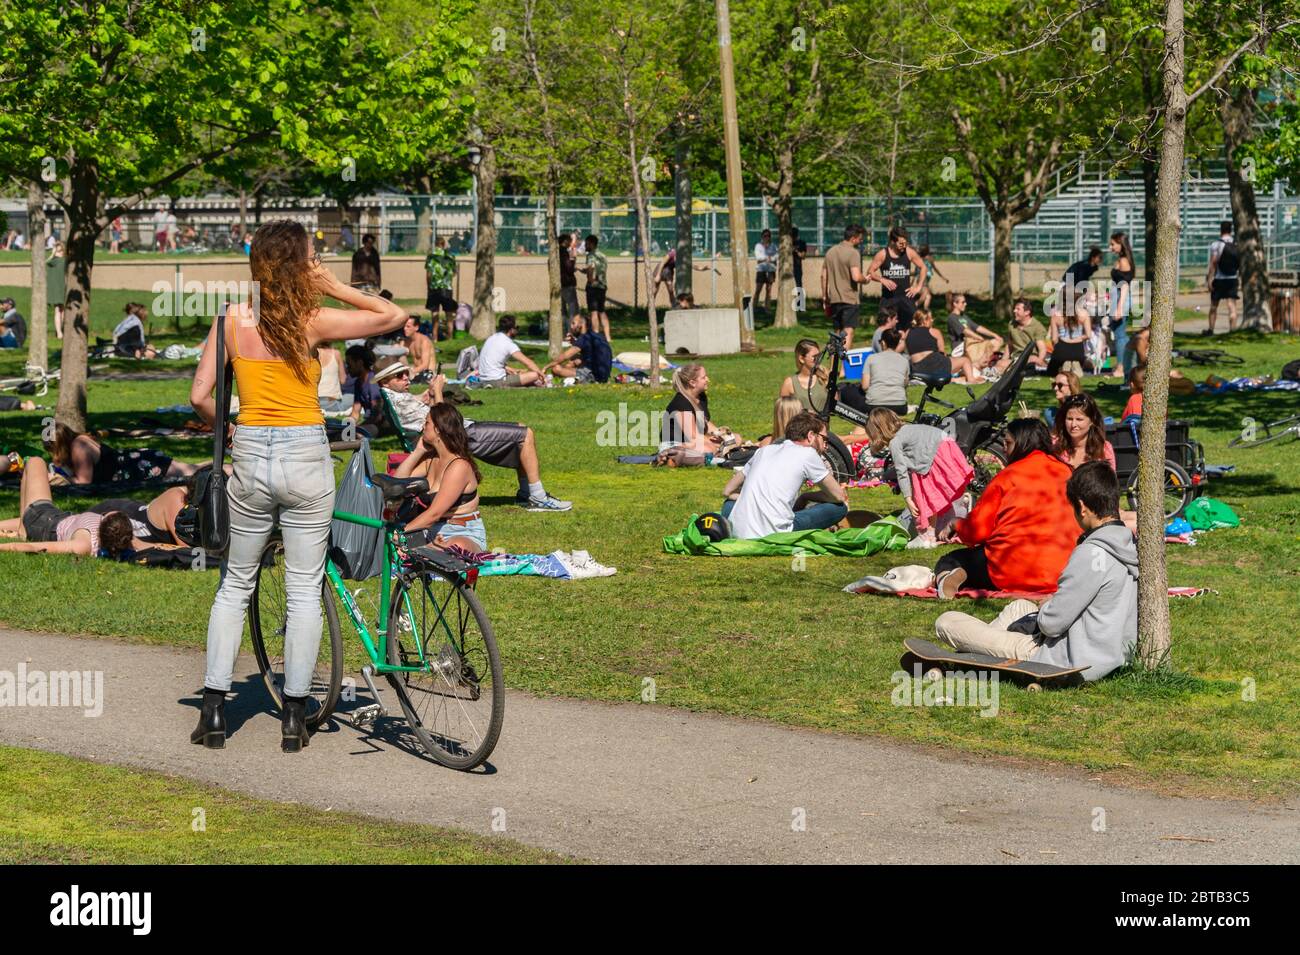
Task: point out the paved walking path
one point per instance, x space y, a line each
638 783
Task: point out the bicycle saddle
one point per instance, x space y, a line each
930 381
395 488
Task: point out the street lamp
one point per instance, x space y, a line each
475 155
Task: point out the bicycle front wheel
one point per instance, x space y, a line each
1266 433
454 698
268 615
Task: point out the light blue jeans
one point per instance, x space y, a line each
284 476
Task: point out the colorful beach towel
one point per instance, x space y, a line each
884 534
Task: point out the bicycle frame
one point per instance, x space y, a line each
376 645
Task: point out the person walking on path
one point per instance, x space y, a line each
842 282
282 470
1222 276
893 267
365 266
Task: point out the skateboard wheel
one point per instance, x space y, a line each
1035 688
934 673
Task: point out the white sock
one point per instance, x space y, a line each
536 492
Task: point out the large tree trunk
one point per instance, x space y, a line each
1153 600
1237 111
81 192
422 206
39 309
783 205
684 276
1003 294
555 323
485 244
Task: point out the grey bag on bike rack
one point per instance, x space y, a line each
358 551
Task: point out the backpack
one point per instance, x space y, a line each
1229 263
1291 371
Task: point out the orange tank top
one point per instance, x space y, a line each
271 395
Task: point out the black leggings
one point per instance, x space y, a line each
1068 351
973 561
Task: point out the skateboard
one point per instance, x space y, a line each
933 658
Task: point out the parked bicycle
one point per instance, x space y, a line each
431 639
1253 433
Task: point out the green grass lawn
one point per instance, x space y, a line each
759 638
55 809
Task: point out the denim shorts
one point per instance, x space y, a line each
474 530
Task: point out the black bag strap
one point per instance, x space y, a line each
223 395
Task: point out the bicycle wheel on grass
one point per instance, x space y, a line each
1178 492
986 461
1267 433
267 617
456 702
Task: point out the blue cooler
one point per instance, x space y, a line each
855 359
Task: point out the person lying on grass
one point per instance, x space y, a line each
766 495
87 460
503 444
1091 620
48 530
448 513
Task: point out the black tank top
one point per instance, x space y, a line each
1121 278
106 466
138 512
898 269
918 340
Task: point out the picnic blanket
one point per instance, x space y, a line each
1215 385
559 564
929 593
884 534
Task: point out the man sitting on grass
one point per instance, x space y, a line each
48 530
500 443
765 496
501 348
589 360
1091 620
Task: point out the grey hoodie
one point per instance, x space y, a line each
1092 618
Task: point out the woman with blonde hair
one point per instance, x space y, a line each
932 472
282 472
686 421
783 411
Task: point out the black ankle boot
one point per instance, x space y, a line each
293 724
211 731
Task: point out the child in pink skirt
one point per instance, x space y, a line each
933 473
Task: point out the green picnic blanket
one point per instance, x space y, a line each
884 534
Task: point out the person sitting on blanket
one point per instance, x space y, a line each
932 471
686 421
1091 620
765 496
89 461
503 444
128 335
46 529
588 360
448 513
1021 531
359 385
783 412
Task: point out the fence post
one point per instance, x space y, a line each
821 223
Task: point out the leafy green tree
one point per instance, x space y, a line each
122 100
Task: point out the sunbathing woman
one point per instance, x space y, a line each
449 512
46 529
89 461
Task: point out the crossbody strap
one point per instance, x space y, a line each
223 395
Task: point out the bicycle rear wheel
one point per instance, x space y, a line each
987 461
267 616
838 459
1267 433
1178 491
455 703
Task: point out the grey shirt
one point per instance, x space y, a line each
1091 620
14 323
887 373
913 450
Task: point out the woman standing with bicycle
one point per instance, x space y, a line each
283 472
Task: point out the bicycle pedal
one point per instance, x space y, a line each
366 715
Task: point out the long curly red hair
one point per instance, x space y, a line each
287 290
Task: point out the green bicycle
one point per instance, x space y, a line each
431 639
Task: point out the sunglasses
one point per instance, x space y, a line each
1058 385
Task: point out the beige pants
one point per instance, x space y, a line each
972 635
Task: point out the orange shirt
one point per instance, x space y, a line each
270 394
1025 523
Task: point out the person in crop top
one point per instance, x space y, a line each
282 470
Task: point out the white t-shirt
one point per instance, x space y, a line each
492 358
774 478
160 220
766 255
